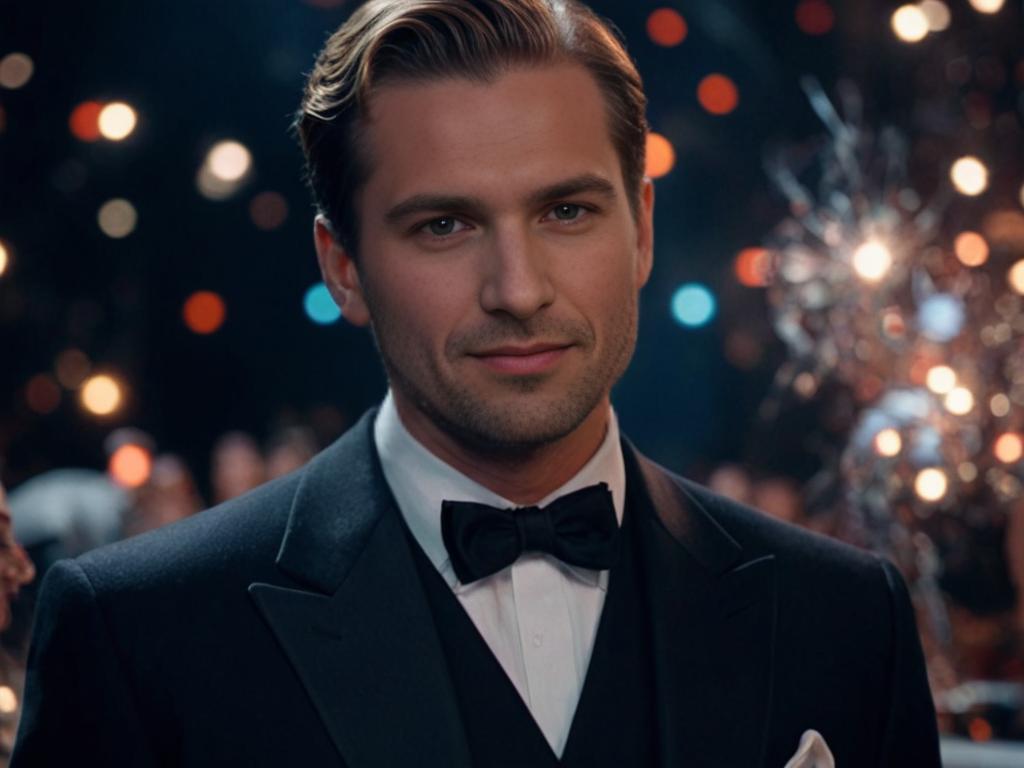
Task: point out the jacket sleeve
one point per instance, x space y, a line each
911 731
78 706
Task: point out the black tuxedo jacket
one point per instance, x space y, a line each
289 628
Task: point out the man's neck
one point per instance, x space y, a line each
525 477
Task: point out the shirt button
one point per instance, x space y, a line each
538 640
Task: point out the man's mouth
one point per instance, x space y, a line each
522 359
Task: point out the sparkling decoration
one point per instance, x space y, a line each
911 303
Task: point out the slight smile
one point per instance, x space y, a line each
522 361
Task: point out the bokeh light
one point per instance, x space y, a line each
940 379
969 175
693 305
42 394
661 157
909 23
130 465
15 70
937 14
959 401
872 261
931 484
5 257
72 366
320 306
815 17
752 267
225 169
971 249
229 160
1015 277
204 312
8 700
941 317
101 395
667 27
268 210
85 121
987 6
967 471
999 404
718 94
117 121
888 442
1008 448
117 218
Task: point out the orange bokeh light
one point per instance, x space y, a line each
661 156
666 27
718 94
979 729
204 312
752 266
85 121
815 17
130 466
1008 448
971 249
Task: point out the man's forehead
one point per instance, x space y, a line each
524 130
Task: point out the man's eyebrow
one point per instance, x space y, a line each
584 183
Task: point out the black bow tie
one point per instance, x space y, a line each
579 528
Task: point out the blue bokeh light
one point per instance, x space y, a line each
941 317
319 305
693 305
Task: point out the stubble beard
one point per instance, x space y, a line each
514 425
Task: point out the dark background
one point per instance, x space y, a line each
197 72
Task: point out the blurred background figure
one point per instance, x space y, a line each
168 496
733 481
16 570
237 466
288 449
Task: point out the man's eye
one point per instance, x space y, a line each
567 211
444 226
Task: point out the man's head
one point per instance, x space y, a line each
500 225
386 41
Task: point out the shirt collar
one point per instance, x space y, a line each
420 481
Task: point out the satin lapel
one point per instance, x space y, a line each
713 625
362 639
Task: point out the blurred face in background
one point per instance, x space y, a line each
500 262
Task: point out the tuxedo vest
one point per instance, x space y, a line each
615 723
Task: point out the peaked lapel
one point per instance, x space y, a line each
361 637
713 625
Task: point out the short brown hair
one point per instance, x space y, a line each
402 40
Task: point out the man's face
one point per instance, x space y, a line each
500 262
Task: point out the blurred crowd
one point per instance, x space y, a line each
66 512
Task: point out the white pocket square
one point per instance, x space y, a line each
813 752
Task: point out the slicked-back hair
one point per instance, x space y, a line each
408 40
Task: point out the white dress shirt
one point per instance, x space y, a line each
539 616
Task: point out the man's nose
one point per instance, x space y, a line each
516 274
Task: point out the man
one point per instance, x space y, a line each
480 573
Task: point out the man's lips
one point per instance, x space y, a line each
522 360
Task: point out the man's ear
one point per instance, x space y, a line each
340 274
645 232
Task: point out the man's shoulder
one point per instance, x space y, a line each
237 539
796 550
